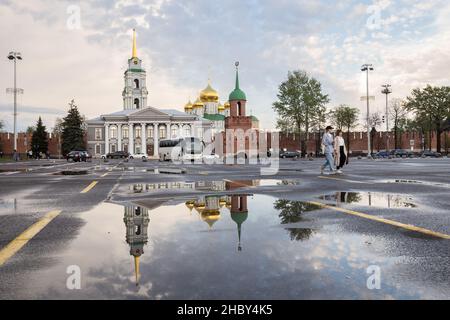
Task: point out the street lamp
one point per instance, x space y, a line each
387 91
15 56
366 68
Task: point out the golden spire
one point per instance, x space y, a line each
134 54
136 269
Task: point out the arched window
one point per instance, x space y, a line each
136 83
137 230
113 132
136 103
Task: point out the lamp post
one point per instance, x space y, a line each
15 56
387 91
366 68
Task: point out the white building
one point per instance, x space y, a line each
138 128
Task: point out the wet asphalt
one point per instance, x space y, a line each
415 265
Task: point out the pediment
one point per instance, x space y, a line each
149 112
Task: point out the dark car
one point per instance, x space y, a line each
117 155
400 153
289 154
382 155
78 156
430 154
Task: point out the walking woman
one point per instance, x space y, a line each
340 151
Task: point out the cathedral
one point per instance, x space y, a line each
138 128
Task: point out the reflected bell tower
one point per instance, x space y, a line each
136 221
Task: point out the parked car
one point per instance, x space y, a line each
138 156
289 154
430 154
116 155
400 153
78 156
382 155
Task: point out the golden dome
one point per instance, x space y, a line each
210 216
226 105
198 104
221 107
209 94
188 106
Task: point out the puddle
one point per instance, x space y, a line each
370 199
71 172
212 247
215 185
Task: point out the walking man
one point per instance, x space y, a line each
327 142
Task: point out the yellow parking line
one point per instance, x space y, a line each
14 246
89 187
386 221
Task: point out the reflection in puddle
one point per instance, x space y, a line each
371 199
231 246
218 185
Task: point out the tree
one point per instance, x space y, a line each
434 103
72 130
299 99
39 140
344 116
57 132
30 129
397 113
291 212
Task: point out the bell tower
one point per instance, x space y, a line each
135 88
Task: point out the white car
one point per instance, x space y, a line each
142 156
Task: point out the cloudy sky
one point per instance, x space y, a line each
184 42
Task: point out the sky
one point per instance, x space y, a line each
79 50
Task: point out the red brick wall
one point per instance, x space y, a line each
24 143
358 141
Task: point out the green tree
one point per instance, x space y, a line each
299 99
73 130
290 213
39 140
397 114
30 129
344 117
434 103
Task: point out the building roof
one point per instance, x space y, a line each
214 117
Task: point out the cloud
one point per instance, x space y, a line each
184 43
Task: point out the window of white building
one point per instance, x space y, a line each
150 132
98 133
162 132
125 132
98 149
187 131
174 132
138 132
113 132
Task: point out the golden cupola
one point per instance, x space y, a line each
209 94
220 107
188 106
226 105
198 104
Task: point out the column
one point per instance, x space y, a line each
168 133
119 137
144 138
130 138
106 138
155 140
